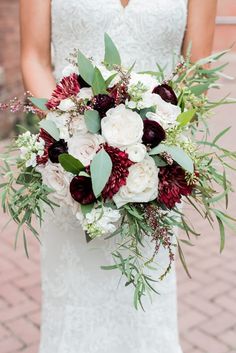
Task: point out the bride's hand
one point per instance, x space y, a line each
35 22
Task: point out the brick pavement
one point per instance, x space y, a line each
207 302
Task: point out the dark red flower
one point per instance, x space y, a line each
81 82
49 140
66 88
103 102
57 148
172 185
153 133
166 93
81 190
119 173
120 93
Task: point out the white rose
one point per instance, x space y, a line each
122 127
66 105
166 113
149 82
136 152
69 69
141 184
85 93
84 146
56 178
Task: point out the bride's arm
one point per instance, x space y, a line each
200 28
35 22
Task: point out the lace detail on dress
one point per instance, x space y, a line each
85 309
146 31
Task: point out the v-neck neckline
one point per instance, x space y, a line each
124 7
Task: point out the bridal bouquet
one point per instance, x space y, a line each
122 150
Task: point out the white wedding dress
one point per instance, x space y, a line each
85 309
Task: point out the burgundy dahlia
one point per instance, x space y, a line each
119 173
166 93
153 133
66 88
172 185
57 148
81 190
49 141
103 103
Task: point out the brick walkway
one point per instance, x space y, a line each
207 303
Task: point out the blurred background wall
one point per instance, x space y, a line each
10 78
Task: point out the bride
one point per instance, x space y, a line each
84 309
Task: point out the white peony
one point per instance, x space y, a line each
141 184
136 152
122 127
85 93
148 82
100 221
66 105
56 178
166 113
84 146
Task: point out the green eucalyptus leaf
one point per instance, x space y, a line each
86 69
99 84
110 79
92 121
159 161
185 117
100 168
212 58
70 163
39 103
222 133
199 89
112 56
51 128
178 155
222 233
86 208
143 112
131 68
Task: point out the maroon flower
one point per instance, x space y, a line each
172 185
119 173
103 103
57 148
81 190
153 133
49 140
66 88
166 93
120 93
81 82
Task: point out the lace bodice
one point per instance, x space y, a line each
146 31
84 308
